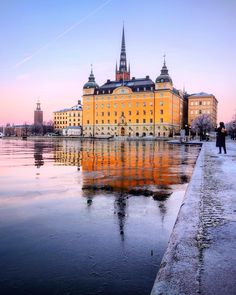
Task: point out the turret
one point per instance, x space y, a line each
91 85
164 81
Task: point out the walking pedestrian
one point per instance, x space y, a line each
220 137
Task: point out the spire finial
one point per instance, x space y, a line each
164 59
91 76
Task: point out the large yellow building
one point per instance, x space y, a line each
68 117
130 106
202 103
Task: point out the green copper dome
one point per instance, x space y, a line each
164 76
91 82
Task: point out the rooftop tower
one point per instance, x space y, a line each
123 73
38 115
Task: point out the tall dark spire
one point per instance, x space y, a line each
123 63
123 74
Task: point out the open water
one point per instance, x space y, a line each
87 217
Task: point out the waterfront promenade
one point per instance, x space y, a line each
201 255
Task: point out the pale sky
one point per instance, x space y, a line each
47 47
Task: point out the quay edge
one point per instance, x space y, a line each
179 269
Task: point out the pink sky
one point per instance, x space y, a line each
47 50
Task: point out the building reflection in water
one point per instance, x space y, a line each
38 154
68 153
122 167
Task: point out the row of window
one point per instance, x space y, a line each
115 128
129 113
64 117
137 89
69 114
120 98
196 103
123 105
65 122
129 121
197 112
70 124
137 104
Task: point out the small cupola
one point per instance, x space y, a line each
91 81
164 81
164 76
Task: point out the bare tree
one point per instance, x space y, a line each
202 125
231 127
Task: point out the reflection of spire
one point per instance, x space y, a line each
163 210
120 209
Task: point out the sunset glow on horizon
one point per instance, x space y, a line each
47 48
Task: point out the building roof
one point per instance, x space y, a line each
77 107
203 94
176 91
137 85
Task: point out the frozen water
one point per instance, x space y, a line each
81 217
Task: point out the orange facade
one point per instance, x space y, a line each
128 111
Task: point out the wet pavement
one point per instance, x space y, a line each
201 255
87 217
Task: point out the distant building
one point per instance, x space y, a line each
38 115
202 103
68 117
20 130
72 131
132 106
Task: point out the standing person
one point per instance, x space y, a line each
220 137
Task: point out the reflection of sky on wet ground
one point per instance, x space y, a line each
59 234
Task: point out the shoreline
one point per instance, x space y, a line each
199 256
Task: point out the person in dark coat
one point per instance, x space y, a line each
220 137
